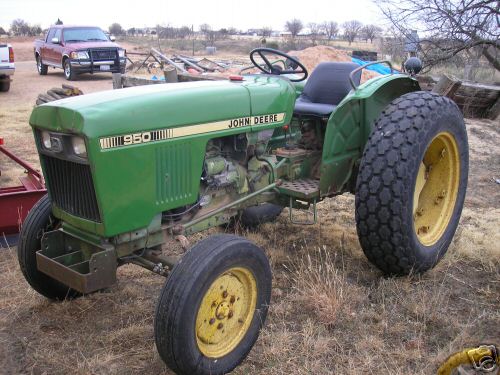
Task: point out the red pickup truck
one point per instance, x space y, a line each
78 49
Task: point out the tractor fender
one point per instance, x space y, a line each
350 125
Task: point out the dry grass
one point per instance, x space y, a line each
16 131
322 288
331 312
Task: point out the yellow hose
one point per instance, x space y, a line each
482 355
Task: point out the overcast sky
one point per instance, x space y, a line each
229 13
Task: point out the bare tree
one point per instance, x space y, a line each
19 27
205 28
393 44
224 33
294 26
35 30
266 31
184 32
315 30
351 30
210 35
450 27
330 28
370 32
116 29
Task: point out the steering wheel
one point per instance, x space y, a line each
268 68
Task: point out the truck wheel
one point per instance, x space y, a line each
38 221
213 305
4 86
42 68
252 217
411 183
69 73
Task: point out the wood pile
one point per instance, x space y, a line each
476 100
57 93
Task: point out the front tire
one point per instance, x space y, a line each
39 221
411 183
212 306
69 72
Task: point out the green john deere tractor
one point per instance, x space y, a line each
131 173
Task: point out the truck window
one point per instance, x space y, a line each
58 34
84 34
50 35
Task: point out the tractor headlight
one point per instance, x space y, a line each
79 55
121 52
46 140
79 147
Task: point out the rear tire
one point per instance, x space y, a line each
40 67
212 306
39 221
4 86
411 183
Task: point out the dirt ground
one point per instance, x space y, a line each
331 312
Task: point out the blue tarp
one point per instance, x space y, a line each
379 68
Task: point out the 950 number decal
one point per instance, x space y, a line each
132 139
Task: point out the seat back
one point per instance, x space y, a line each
329 82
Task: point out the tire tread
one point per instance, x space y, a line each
383 181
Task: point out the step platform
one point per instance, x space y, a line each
306 189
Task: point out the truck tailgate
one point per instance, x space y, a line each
4 54
6 67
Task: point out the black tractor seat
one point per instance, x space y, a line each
325 89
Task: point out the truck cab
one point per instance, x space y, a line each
78 49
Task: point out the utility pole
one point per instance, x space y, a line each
158 36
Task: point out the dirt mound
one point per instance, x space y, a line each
312 56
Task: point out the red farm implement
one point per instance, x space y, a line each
16 201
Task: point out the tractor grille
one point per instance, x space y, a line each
103 54
71 187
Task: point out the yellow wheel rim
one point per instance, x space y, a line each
436 188
226 312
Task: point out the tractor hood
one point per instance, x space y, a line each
164 106
146 145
